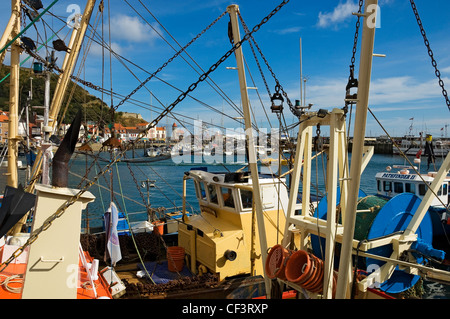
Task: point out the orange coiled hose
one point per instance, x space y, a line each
276 262
306 270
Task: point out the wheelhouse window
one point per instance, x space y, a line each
422 189
387 186
201 193
227 195
410 188
213 194
444 189
378 185
398 187
246 198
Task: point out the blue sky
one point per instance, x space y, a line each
403 86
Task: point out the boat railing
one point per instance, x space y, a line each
95 222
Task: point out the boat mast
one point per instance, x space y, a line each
14 98
301 75
233 10
70 59
6 37
365 71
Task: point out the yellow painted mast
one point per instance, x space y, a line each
68 66
12 179
70 60
365 71
233 10
6 37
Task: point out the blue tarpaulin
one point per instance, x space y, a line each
160 272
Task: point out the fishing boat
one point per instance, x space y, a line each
347 222
212 244
400 179
414 146
227 223
150 156
252 238
41 271
152 152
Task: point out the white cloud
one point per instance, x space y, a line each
131 29
383 91
96 49
327 93
126 32
403 89
446 70
288 30
393 100
342 12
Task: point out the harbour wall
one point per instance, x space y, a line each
380 147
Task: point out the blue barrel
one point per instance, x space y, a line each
319 243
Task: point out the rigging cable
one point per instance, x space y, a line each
60 211
170 60
82 66
277 86
352 82
430 53
130 228
120 58
27 27
224 96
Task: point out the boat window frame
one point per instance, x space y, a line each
198 191
209 195
412 189
385 183
396 188
223 201
445 189
207 199
244 208
422 189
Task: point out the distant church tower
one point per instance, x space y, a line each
174 132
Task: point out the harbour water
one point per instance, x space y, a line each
167 190
168 177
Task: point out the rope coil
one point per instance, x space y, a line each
17 279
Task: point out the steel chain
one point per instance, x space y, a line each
254 54
291 106
48 222
430 53
355 39
73 77
352 82
167 62
88 170
146 204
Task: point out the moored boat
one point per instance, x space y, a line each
400 179
231 247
